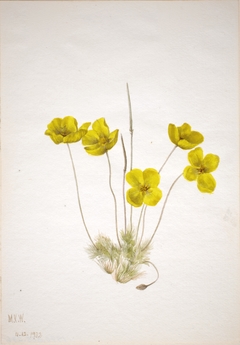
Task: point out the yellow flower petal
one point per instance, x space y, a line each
134 197
74 137
195 157
184 130
151 177
190 173
173 134
206 183
56 138
152 196
185 145
91 138
190 141
135 178
95 150
70 123
195 138
101 127
113 138
56 123
85 125
210 162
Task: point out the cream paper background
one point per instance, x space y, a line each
75 58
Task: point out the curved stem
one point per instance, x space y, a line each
124 174
131 144
114 197
78 195
160 218
167 158
143 286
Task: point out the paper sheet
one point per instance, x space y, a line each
180 60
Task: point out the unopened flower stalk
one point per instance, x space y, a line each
114 197
124 174
131 144
78 195
130 126
160 218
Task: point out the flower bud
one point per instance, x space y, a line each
141 287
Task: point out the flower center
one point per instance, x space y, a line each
201 170
62 131
103 141
144 188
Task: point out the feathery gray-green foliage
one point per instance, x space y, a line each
123 262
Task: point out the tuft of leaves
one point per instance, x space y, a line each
123 261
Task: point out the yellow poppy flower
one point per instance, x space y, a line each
66 130
99 140
200 170
144 187
184 137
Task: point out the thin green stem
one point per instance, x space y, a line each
124 174
131 217
78 196
143 224
139 221
131 144
160 218
114 197
144 286
167 158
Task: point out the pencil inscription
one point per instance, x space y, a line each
16 318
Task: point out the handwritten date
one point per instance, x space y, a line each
33 335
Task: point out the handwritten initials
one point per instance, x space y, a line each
14 318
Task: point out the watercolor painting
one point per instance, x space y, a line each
124 260
120 172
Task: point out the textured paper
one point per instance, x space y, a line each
180 60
